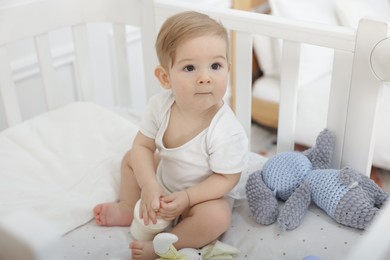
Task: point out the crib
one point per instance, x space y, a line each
61 157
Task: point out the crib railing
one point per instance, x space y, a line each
41 17
353 83
353 96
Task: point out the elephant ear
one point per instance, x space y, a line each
321 154
350 177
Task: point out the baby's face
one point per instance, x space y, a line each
199 75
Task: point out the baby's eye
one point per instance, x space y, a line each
189 68
216 66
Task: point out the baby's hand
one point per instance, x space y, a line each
173 205
150 202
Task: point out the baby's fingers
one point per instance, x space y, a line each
147 214
166 215
143 213
167 206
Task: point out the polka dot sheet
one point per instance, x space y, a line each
318 235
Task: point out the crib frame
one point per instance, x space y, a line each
352 53
352 71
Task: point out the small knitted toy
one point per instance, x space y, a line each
347 196
163 246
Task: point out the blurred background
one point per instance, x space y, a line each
315 71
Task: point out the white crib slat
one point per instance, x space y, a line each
83 67
288 96
339 93
363 102
123 93
148 34
7 90
243 80
47 70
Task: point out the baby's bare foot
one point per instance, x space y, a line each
113 214
142 250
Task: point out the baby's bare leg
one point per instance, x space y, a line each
204 223
120 213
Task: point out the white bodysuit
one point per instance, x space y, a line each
220 148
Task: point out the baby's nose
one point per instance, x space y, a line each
204 79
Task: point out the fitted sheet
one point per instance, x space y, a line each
329 241
61 164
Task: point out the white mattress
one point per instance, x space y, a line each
328 241
62 163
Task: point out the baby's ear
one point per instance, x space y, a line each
162 76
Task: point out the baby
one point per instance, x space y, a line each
190 149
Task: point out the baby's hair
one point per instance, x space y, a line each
183 27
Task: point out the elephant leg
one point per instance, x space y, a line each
295 208
261 200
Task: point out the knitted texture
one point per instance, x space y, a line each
347 196
355 210
327 190
362 202
291 215
262 202
321 155
374 194
285 172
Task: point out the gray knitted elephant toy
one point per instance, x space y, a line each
347 196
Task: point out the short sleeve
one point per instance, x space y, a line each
227 144
156 111
230 155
